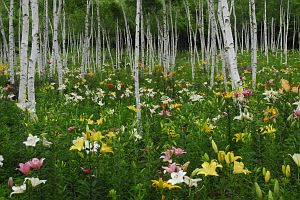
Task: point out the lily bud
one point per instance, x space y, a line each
288 171
10 182
267 176
258 191
214 146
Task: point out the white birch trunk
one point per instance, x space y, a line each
136 65
23 54
5 45
11 44
33 57
229 44
253 42
46 38
86 38
286 32
266 33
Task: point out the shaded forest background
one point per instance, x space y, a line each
111 13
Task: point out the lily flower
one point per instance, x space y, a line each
163 184
78 144
170 169
230 158
36 163
18 189
238 168
1 160
31 140
35 181
167 156
208 169
177 177
178 151
191 182
296 158
24 168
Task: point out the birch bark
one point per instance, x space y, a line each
23 54
11 44
136 65
229 44
33 58
253 42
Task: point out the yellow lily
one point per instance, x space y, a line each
208 169
230 158
238 168
163 184
78 144
106 149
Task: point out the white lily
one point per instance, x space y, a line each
31 140
18 189
1 160
177 177
35 181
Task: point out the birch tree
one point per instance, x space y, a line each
56 58
286 33
23 54
11 43
224 21
33 57
5 45
86 38
266 33
136 65
211 9
253 40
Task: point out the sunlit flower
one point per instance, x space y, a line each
31 140
196 97
78 144
178 151
18 189
271 95
241 137
163 184
24 168
177 177
165 113
1 160
35 181
208 127
167 156
106 149
208 169
221 156
191 182
268 130
247 93
136 135
296 158
133 108
36 163
238 168
230 158
270 113
171 168
297 112
244 116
